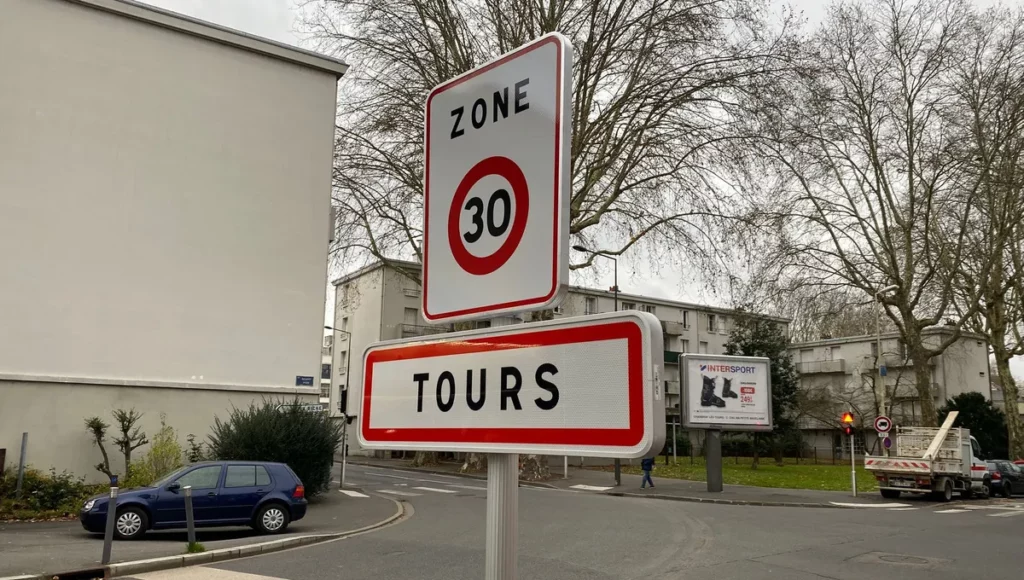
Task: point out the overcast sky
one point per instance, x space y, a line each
276 19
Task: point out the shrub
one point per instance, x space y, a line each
280 432
164 456
197 450
43 494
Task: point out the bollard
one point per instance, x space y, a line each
21 465
189 519
108 534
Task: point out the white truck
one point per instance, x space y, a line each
938 461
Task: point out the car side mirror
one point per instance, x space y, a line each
174 487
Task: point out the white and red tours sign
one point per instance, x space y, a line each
496 186
587 386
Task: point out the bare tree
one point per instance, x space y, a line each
991 83
656 86
869 169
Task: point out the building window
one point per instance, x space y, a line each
874 350
723 325
647 308
703 347
411 316
325 371
557 309
629 305
343 402
712 323
590 305
325 391
344 324
901 348
328 341
831 352
686 346
342 356
686 319
806 355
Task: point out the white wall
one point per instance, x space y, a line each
164 203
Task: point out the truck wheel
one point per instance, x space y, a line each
890 493
946 493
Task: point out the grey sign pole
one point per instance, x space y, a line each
502 516
21 465
714 462
344 448
674 440
190 520
108 533
853 466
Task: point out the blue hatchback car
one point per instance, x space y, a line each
266 496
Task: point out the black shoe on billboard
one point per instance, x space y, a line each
727 389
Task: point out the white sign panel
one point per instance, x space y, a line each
579 386
726 392
496 186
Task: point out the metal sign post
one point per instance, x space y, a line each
190 521
853 466
108 532
502 516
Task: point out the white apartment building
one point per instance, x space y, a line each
838 375
326 356
383 303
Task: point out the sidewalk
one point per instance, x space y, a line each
52 547
669 489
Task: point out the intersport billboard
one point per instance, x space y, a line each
726 392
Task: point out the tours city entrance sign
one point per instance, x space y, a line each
496 186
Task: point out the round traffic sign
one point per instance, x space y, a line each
882 424
495 226
887 442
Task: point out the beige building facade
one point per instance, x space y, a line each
165 219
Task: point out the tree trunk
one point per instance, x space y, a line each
923 382
474 462
1013 424
424 458
534 468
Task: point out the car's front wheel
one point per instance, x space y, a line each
131 523
272 518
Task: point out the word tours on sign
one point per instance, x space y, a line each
509 388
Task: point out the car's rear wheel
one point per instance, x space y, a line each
1007 490
890 493
131 523
272 518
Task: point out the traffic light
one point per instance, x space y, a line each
847 423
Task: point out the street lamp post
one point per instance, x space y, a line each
344 414
879 380
615 291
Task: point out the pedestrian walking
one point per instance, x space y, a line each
647 464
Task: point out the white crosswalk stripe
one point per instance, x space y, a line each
1007 514
400 493
951 511
906 509
200 573
476 487
436 490
590 487
351 493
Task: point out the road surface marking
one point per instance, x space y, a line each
870 505
401 493
590 487
436 490
952 511
204 573
1007 514
409 478
375 472
351 493
476 487
907 509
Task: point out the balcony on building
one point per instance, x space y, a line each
411 330
821 366
672 328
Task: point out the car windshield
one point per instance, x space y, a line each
170 477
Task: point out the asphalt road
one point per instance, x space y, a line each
566 535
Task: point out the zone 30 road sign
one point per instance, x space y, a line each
582 386
496 186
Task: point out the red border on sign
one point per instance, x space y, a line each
558 148
622 437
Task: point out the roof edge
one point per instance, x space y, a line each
928 331
216 33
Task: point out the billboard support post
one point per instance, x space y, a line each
714 462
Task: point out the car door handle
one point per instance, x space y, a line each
211 494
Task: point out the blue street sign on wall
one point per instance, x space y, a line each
301 381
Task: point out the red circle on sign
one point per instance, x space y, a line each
506 168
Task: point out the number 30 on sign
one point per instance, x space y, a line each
496 186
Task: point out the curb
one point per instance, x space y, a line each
443 472
184 560
724 501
